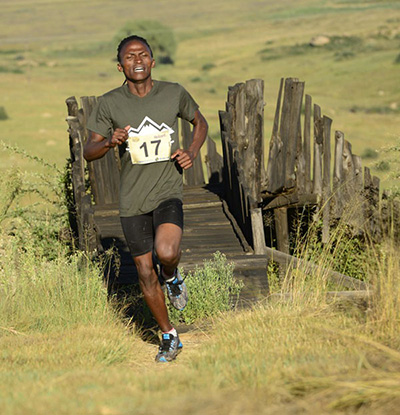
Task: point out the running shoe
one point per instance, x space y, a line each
177 291
170 347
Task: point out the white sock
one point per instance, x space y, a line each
168 278
172 331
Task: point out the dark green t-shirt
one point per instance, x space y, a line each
144 186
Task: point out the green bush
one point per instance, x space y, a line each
369 153
382 166
42 221
160 37
3 114
5 69
208 66
212 289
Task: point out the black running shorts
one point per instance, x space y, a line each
139 230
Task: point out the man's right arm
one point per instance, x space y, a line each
97 146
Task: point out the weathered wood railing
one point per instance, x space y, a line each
300 171
338 189
242 138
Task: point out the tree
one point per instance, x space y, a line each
160 37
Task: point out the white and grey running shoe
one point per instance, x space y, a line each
177 291
170 347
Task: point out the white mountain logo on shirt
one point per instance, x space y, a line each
150 142
148 126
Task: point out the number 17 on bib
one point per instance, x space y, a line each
150 148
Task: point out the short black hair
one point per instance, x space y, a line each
130 39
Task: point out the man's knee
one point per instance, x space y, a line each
168 254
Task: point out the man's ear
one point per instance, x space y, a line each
153 63
120 67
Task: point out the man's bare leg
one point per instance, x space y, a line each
167 245
152 291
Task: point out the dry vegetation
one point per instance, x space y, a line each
64 348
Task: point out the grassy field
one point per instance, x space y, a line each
64 348
52 50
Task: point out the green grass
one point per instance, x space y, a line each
214 290
64 348
63 60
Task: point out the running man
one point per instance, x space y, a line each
141 118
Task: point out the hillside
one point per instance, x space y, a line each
52 50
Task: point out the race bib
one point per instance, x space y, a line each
151 148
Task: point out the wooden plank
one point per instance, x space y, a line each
292 200
326 182
104 172
258 231
291 121
338 174
84 213
307 145
193 176
282 229
253 160
318 151
275 176
348 172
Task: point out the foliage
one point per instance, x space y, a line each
369 153
33 206
208 66
382 165
5 69
343 47
160 37
345 251
212 289
3 114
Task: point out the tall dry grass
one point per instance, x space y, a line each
65 350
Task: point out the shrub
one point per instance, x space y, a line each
214 290
369 153
208 66
160 37
3 114
382 166
39 222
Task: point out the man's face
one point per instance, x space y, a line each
136 61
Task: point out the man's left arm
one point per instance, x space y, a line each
186 157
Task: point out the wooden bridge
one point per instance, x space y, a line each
207 229
227 211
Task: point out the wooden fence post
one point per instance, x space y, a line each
87 238
338 174
242 142
326 182
318 151
195 175
275 172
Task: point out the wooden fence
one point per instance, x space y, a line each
300 171
242 135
